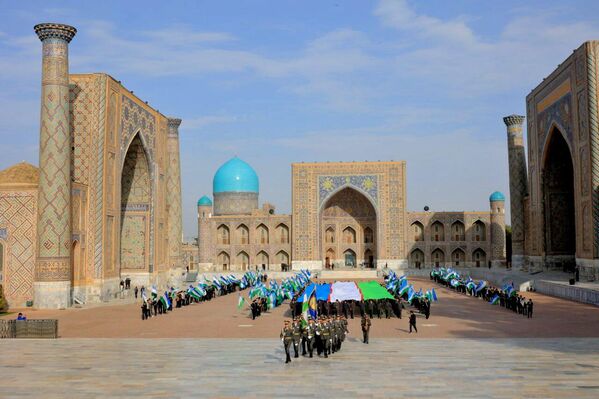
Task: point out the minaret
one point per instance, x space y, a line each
497 204
205 244
518 185
52 277
174 195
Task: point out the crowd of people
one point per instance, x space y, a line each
380 308
325 334
507 296
204 291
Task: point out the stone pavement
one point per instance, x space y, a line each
393 368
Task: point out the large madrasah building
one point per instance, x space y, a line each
344 215
104 204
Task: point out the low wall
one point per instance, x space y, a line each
570 292
40 328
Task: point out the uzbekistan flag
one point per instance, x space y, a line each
434 295
166 302
494 300
240 302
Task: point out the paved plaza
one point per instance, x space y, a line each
392 368
453 316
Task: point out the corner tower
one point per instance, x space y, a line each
518 185
52 277
235 188
205 245
497 204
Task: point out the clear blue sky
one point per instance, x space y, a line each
276 82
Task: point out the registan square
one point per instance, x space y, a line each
283 199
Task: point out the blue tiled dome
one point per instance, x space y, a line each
497 196
204 201
237 176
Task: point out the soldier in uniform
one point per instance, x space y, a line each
366 323
412 321
310 335
326 337
287 338
318 330
297 335
342 331
334 334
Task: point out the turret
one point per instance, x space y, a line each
497 204
205 244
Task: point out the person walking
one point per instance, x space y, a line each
135 291
366 323
287 338
412 321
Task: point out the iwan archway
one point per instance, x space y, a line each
558 199
348 225
136 203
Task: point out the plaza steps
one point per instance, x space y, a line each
348 274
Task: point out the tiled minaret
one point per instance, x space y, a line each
175 232
518 185
497 204
52 277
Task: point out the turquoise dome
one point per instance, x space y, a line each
236 176
204 201
497 196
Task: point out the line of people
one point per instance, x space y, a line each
326 335
380 308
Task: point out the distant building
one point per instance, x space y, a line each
345 214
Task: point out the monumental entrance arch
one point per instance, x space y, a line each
348 214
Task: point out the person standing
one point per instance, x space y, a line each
366 323
135 290
297 336
529 306
287 338
310 336
412 321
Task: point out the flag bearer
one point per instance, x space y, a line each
287 338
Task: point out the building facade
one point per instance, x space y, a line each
554 197
345 215
107 197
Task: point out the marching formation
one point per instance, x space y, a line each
507 297
325 334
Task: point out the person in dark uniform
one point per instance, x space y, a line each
529 308
412 321
366 323
351 304
368 308
362 309
297 335
310 336
287 338
388 308
325 336
144 310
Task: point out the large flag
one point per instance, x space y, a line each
434 295
154 292
482 284
240 302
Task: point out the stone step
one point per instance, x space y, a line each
348 274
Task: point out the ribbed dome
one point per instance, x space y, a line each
497 196
204 201
236 176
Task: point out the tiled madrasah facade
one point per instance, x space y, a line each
344 215
105 203
555 196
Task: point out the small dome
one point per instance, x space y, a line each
236 176
497 196
204 201
21 173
